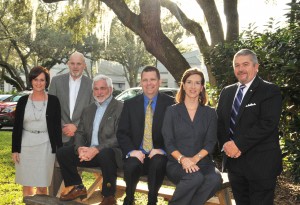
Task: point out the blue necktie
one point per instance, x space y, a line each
235 110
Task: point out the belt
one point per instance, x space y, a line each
35 131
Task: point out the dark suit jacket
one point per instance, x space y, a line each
256 131
107 130
189 137
52 118
131 127
60 88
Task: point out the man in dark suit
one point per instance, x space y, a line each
95 144
248 118
132 139
74 91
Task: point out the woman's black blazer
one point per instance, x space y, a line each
53 118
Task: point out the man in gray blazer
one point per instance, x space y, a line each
95 144
74 92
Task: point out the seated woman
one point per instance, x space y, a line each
190 134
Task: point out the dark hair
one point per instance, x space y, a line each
150 69
181 93
36 71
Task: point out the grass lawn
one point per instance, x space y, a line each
11 193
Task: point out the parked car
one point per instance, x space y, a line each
4 96
131 92
8 108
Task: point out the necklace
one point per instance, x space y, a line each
36 110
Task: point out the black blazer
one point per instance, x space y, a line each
256 132
53 119
132 121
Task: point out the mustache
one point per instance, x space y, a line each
241 72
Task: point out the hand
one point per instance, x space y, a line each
189 165
154 152
231 149
15 157
237 155
87 153
69 130
138 154
192 168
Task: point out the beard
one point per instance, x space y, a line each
76 75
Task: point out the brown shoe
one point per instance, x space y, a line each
66 190
109 200
75 193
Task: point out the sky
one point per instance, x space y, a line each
256 12
250 11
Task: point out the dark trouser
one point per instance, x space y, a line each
57 177
105 159
252 192
193 188
155 168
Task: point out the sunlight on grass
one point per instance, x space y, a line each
11 193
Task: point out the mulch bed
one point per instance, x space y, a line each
287 192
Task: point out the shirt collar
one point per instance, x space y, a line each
146 99
247 84
77 79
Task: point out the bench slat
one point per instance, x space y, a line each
222 196
47 200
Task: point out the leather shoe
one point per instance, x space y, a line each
109 200
76 192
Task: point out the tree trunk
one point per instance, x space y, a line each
147 26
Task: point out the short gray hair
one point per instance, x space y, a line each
103 77
76 53
246 52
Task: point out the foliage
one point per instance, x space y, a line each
278 53
11 193
127 49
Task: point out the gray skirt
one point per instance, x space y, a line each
36 165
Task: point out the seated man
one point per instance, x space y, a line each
140 137
95 144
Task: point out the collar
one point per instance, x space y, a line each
71 78
247 84
146 99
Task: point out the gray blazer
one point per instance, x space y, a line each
107 130
60 87
189 137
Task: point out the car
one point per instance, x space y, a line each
8 108
4 96
131 92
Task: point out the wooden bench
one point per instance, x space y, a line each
222 196
47 200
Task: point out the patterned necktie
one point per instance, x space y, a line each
147 144
235 110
